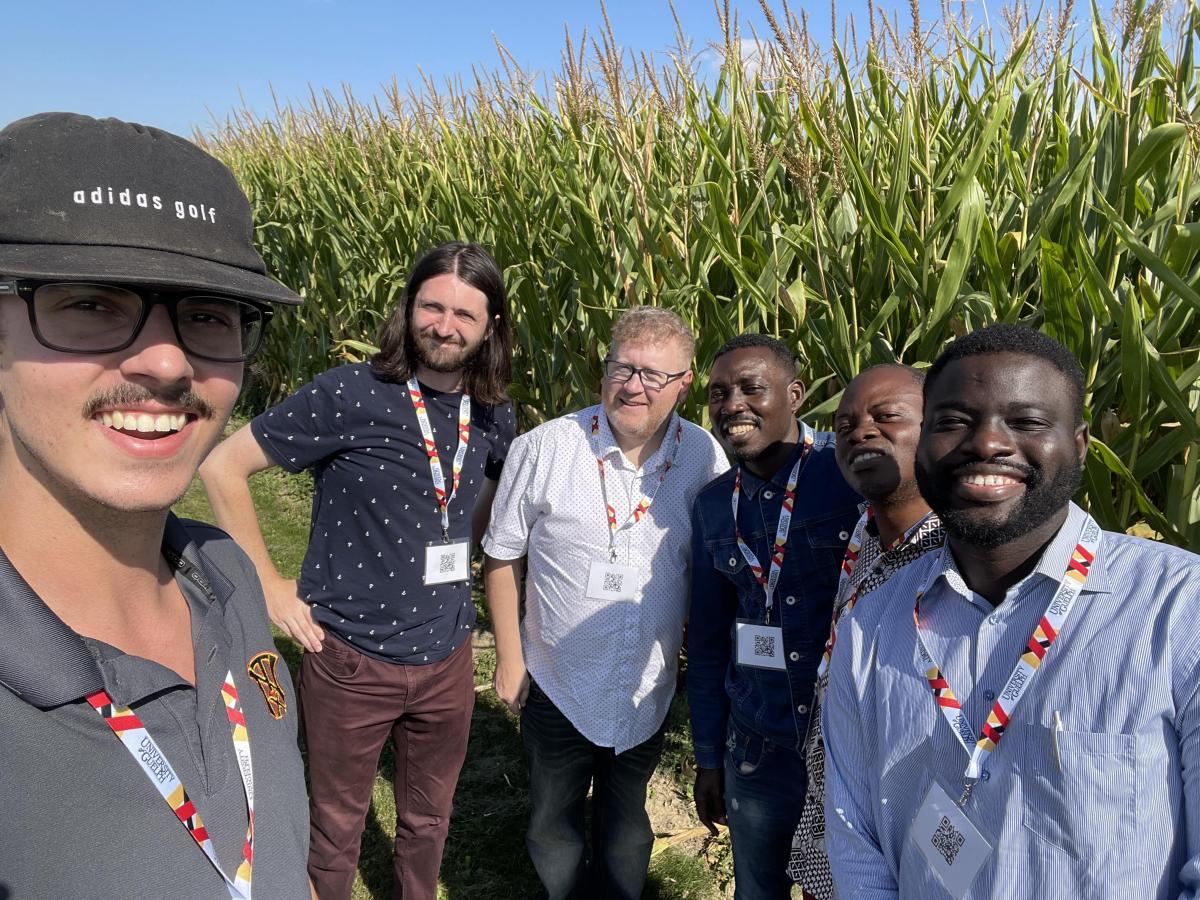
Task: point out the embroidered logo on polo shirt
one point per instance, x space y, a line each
262 670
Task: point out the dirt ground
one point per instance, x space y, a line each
668 797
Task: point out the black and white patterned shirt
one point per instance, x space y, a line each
808 864
374 509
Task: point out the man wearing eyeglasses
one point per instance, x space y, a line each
147 724
593 508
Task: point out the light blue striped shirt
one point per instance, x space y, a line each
1122 817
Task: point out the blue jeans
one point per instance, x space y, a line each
764 794
562 765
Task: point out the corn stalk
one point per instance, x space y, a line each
866 202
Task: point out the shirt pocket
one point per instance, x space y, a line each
729 562
819 550
827 537
1086 807
829 532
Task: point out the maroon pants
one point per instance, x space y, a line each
351 703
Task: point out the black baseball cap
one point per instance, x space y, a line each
105 200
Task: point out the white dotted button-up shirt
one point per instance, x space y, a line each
608 665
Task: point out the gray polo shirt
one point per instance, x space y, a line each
78 817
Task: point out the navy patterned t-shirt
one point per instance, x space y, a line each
374 509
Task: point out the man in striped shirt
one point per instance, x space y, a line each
877 425
1016 715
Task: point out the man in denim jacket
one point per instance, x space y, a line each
762 595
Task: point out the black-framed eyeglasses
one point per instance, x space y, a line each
652 379
83 317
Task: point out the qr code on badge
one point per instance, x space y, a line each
948 840
613 581
764 645
446 563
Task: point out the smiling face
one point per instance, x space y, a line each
752 402
124 430
878 424
449 323
634 412
1000 453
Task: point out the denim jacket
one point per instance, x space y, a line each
770 704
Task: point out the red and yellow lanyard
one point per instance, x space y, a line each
768 581
1049 627
644 504
126 725
435 463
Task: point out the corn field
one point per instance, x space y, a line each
866 202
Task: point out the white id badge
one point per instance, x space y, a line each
608 581
954 848
445 563
760 646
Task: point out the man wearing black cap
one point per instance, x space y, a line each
147 725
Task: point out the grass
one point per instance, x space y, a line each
485 853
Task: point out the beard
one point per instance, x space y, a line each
639 429
443 357
1042 500
904 492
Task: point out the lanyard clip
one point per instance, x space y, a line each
968 785
445 535
612 554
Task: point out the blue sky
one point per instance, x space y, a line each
176 64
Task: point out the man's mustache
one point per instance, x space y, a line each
132 394
1031 473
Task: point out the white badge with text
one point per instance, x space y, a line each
954 848
446 563
760 646
608 581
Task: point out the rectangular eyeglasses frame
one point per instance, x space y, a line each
26 289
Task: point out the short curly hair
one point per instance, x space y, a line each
1005 338
916 376
647 325
777 348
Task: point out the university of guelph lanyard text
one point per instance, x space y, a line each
435 463
145 751
769 581
642 505
841 608
1044 635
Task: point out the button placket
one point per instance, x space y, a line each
985 641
